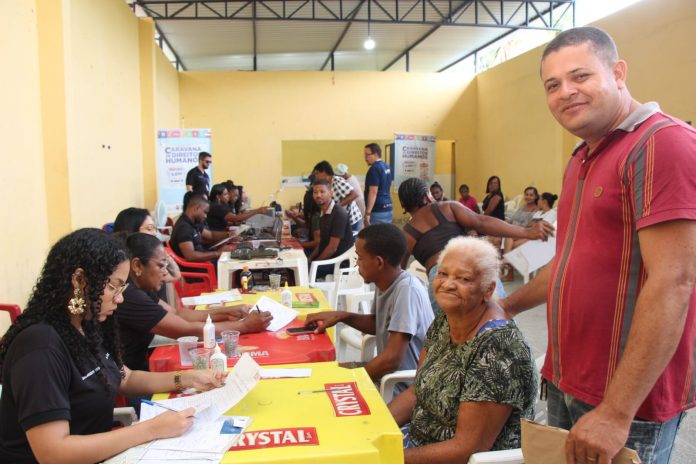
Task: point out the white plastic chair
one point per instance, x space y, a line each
347 283
328 287
387 383
348 337
125 415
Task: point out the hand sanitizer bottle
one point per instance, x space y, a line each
218 361
286 296
209 334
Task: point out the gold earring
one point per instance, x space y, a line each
76 305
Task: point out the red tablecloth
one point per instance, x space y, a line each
266 348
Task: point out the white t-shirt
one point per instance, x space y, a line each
549 216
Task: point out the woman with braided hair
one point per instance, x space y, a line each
61 363
433 224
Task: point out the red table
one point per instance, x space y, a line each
266 348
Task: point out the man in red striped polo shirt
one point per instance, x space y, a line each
621 360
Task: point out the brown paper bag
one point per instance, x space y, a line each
542 444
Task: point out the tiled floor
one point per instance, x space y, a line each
533 325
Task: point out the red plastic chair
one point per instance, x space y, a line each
12 309
193 283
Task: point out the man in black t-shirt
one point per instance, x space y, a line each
197 180
190 235
335 234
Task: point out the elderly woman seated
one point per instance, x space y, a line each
476 378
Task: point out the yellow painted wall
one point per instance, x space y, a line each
517 138
23 186
103 107
657 38
460 126
300 156
252 114
166 114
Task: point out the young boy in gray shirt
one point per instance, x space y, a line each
401 312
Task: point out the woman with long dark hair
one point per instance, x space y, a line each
133 220
62 368
223 212
142 314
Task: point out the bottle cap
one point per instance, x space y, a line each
286 284
208 319
217 349
246 268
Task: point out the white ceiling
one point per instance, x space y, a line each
305 43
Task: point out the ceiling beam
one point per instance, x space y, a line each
330 58
421 12
571 6
460 9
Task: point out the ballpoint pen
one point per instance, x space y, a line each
155 403
257 308
304 392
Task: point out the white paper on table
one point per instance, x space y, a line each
213 298
285 373
282 315
155 455
203 436
244 376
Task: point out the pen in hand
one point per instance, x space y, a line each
155 403
256 307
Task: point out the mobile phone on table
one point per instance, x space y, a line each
308 329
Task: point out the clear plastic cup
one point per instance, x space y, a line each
200 358
274 280
230 340
185 345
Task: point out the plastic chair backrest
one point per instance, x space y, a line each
193 283
160 214
13 310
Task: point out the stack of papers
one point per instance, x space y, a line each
211 434
213 298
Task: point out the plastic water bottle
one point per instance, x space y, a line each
209 334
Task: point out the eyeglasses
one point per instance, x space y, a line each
117 290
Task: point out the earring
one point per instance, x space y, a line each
77 303
138 273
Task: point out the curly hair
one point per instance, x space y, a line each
97 254
412 193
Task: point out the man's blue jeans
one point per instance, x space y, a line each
653 441
382 217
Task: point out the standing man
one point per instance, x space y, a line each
197 180
621 361
343 193
378 181
335 235
342 170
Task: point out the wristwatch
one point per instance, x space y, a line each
177 381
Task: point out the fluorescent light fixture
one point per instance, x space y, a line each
369 44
